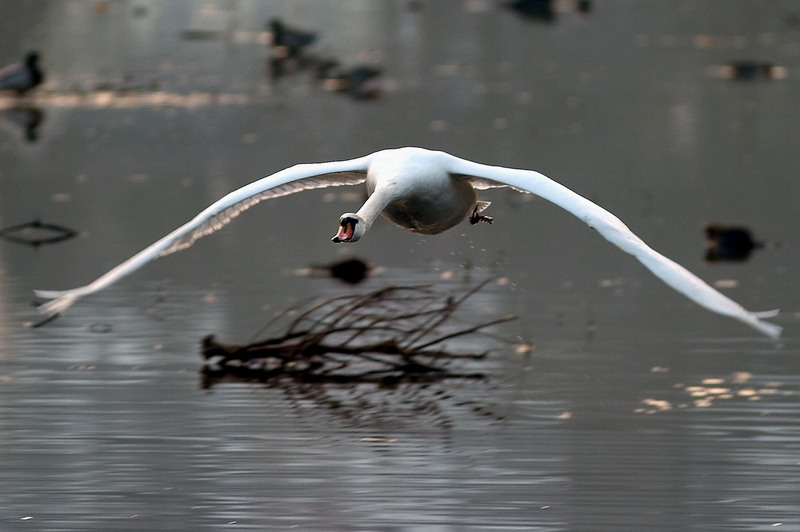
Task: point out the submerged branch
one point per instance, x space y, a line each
393 334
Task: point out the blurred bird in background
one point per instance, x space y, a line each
22 77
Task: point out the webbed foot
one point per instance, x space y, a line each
477 217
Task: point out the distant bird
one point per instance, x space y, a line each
22 77
358 81
546 10
729 243
534 9
425 192
288 42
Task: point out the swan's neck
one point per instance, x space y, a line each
374 205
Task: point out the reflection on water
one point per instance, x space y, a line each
26 119
127 99
623 408
36 233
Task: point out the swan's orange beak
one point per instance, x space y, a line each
346 230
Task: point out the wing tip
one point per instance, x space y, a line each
767 313
58 301
769 329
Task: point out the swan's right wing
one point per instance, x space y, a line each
242 200
289 181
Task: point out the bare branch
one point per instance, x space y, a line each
382 335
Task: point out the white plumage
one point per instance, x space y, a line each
425 192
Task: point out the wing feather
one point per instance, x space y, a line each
616 232
217 221
289 181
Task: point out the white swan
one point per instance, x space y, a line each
425 192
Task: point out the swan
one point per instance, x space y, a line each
425 192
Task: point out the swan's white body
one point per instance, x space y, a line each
425 192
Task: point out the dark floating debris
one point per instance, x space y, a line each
387 336
729 243
547 10
534 9
22 77
36 233
350 270
726 243
752 70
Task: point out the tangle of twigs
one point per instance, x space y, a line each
390 335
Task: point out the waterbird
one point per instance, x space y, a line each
424 192
358 81
26 118
287 41
22 77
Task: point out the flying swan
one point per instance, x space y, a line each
424 192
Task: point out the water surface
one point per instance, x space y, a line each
634 409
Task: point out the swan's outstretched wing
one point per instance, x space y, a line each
616 232
295 179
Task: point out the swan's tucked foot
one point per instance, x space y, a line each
476 217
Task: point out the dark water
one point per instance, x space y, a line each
634 410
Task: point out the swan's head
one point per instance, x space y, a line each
351 228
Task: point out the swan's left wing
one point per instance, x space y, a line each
616 232
295 179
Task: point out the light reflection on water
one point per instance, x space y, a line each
104 420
